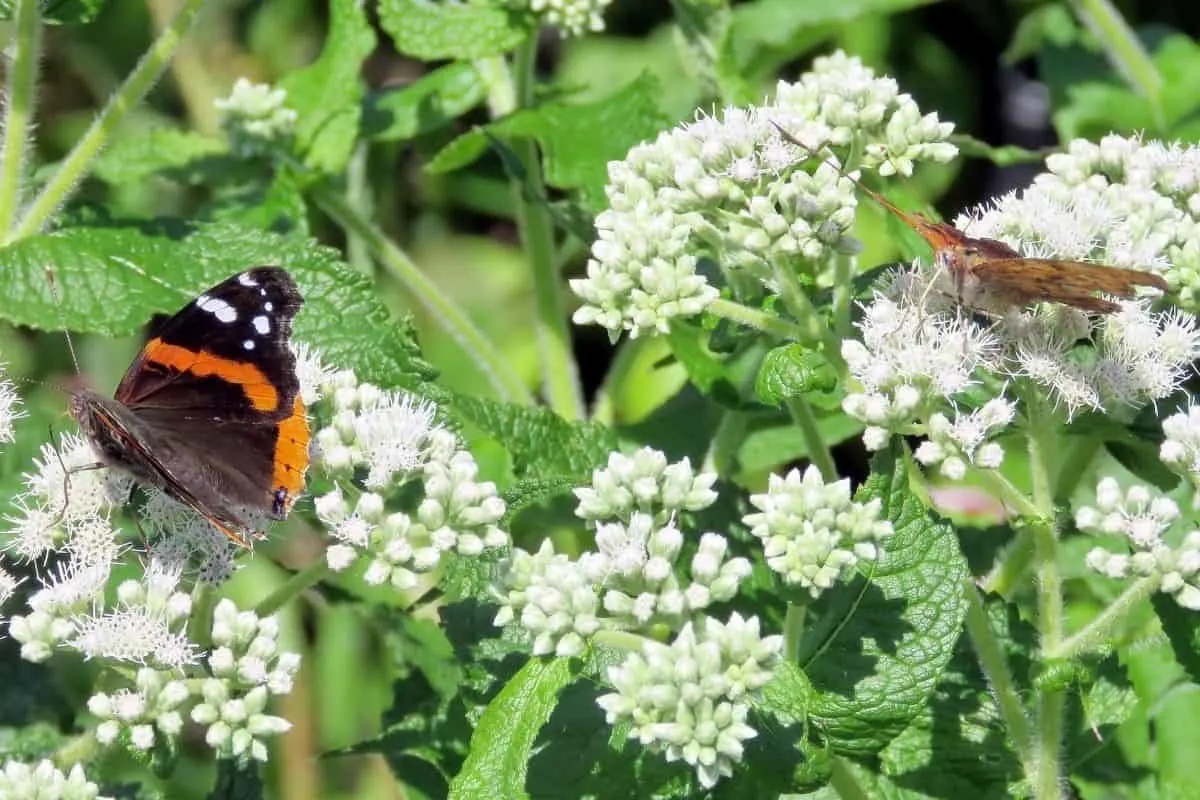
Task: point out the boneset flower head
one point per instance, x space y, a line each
386 441
727 189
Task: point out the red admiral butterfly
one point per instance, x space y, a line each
210 411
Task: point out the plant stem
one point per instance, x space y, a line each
759 320
999 677
1096 635
1050 701
560 374
1011 566
842 276
75 166
818 451
449 316
1123 49
793 629
204 600
304 579
21 91
624 359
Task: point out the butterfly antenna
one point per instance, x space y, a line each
61 320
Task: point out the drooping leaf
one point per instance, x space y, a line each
577 141
428 103
327 94
882 643
436 29
111 280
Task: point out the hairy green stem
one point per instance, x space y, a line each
843 273
1050 701
560 374
1123 49
204 600
759 320
1079 455
18 113
818 452
996 671
306 578
793 629
75 166
1005 576
1097 634
491 362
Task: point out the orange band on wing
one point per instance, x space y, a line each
291 453
254 383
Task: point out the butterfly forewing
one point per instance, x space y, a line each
225 355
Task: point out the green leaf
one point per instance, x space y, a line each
882 644
427 104
503 740
327 94
1179 624
577 141
277 206
766 34
792 371
136 156
59 12
541 444
237 781
431 30
112 279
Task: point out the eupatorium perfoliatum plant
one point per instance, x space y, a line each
830 527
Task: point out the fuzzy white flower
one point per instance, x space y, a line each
1180 449
955 444
1135 514
147 625
646 483
10 408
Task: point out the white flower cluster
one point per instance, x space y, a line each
955 444
135 717
1180 449
1123 201
813 533
244 669
66 505
392 438
247 668
690 699
10 408
1142 519
147 624
574 17
44 781
729 189
256 118
630 581
910 361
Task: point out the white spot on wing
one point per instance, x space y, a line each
248 344
262 324
246 279
268 306
217 307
